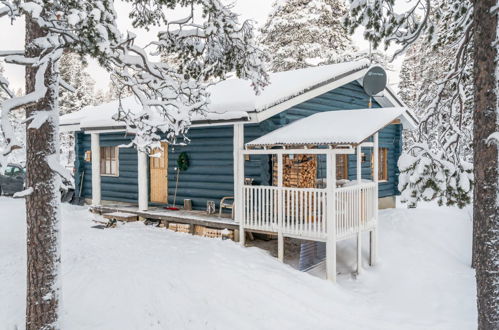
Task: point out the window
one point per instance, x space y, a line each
109 161
341 167
382 164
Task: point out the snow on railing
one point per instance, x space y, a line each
301 212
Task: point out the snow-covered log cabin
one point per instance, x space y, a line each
306 125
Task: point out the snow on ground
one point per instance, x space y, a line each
141 277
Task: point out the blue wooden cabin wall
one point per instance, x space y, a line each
210 174
123 188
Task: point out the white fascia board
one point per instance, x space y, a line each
410 117
69 128
388 98
267 113
222 123
112 130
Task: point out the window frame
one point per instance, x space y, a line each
382 170
117 161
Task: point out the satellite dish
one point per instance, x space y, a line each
374 81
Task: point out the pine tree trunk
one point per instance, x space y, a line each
486 206
42 206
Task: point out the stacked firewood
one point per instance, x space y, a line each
299 171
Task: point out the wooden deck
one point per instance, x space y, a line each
195 218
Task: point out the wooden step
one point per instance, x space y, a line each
121 216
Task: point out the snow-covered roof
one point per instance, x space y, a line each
103 115
238 93
331 127
231 99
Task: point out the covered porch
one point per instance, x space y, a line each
329 213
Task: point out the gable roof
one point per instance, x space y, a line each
238 93
233 100
331 127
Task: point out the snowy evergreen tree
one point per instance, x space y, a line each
471 28
210 40
116 90
303 33
73 71
444 140
100 97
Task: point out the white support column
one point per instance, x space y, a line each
359 164
280 209
142 178
96 189
238 147
359 210
373 235
331 216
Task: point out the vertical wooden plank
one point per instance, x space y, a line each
308 216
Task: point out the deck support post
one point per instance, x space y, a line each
280 246
331 216
280 209
359 211
373 235
142 180
96 184
238 147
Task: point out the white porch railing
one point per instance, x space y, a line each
301 212
355 209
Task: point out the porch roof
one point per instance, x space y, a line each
332 127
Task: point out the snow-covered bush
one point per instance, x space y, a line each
427 176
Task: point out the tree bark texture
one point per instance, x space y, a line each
42 206
485 208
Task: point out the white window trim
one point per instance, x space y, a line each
117 152
387 169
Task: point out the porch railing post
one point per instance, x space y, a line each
280 209
359 210
96 184
331 216
373 235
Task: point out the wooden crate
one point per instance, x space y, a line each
213 232
180 227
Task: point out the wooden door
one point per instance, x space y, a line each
159 175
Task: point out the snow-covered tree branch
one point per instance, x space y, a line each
210 44
469 30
